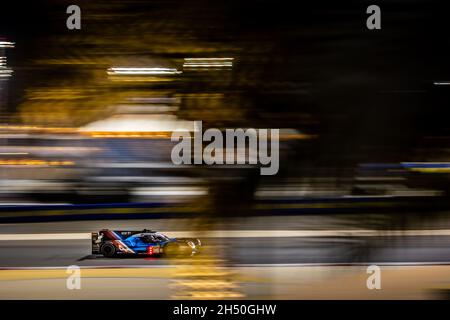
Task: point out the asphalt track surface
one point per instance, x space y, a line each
240 251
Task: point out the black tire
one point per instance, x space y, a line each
108 250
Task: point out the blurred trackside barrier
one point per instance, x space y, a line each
312 206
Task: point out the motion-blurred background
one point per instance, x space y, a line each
86 118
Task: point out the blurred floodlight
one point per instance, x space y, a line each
6 44
208 62
140 123
5 73
142 71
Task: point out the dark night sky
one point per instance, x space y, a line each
330 36
357 81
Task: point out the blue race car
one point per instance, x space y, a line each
112 243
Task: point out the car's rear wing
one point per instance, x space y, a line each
96 240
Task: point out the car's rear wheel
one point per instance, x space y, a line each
108 250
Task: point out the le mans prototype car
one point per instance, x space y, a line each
112 243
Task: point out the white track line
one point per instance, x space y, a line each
45 236
244 234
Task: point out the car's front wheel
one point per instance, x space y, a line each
171 250
108 250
